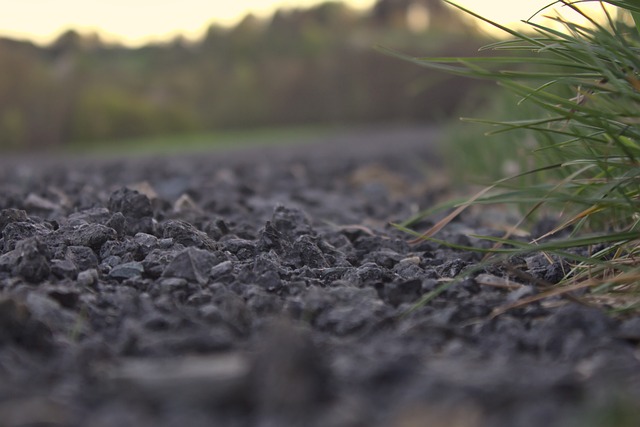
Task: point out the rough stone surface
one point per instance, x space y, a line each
267 288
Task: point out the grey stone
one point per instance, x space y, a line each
82 257
13 232
136 209
127 270
88 278
90 235
146 243
8 216
220 270
99 215
33 260
192 264
64 268
186 234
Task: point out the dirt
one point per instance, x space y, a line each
266 287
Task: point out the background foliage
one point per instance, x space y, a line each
300 66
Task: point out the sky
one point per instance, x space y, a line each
136 22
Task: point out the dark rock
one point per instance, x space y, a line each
269 237
266 272
97 215
18 326
157 261
385 258
264 262
33 260
396 293
219 271
308 253
130 203
90 235
346 310
332 274
171 284
260 301
82 257
551 272
136 209
9 260
126 250
409 269
13 232
109 263
452 268
186 234
88 278
118 222
216 229
192 264
8 216
64 268
67 296
291 222
367 274
146 243
241 248
127 270
165 243
270 280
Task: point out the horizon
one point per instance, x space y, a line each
187 18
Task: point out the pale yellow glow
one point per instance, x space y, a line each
135 22
511 13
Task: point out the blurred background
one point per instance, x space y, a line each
301 66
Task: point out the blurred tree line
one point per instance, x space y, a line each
301 66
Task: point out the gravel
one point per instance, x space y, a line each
265 287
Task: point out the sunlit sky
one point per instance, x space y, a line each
135 22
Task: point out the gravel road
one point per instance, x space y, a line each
265 287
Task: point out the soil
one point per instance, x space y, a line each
266 287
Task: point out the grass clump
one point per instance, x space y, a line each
581 85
